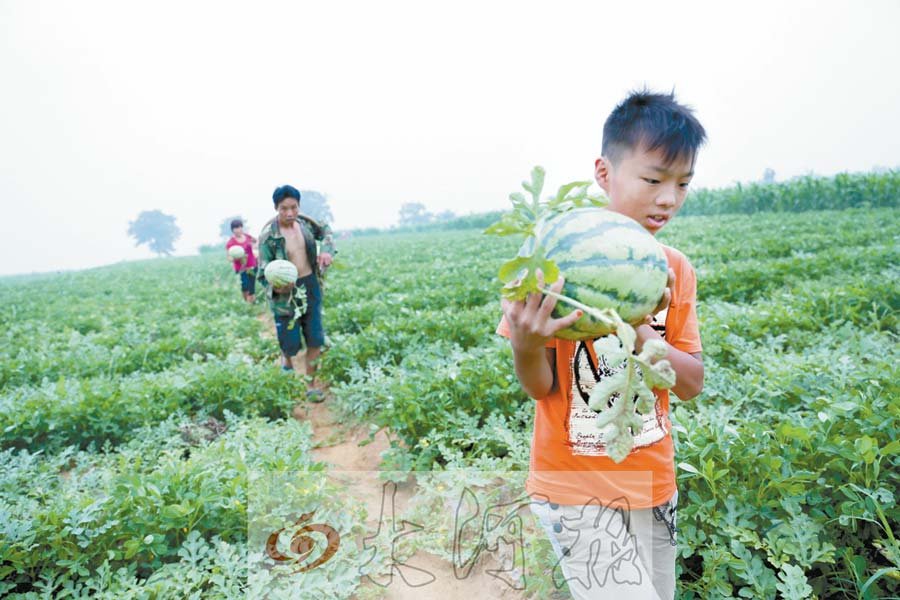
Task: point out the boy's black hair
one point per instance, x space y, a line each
236 223
652 121
285 191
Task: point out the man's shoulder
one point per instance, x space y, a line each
316 224
267 230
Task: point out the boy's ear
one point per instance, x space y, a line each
601 173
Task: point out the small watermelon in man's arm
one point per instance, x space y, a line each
280 273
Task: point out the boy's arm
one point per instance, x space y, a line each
535 371
530 328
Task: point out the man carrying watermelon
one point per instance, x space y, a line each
612 522
240 252
291 236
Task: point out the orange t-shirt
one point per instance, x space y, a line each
569 464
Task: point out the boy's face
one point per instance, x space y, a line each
237 231
642 186
287 211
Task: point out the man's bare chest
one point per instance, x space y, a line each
295 244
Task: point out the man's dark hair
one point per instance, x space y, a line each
236 223
652 121
285 191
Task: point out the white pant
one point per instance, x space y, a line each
608 553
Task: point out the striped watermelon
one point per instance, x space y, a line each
608 261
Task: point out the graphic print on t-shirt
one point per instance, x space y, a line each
584 436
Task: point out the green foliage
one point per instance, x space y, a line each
158 372
844 190
439 392
140 317
519 275
806 193
166 506
109 409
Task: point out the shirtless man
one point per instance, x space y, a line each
292 236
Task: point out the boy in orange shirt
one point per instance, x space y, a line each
611 524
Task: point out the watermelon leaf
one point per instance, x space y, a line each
611 349
299 302
574 195
630 389
536 186
606 397
626 335
519 275
521 206
579 187
511 224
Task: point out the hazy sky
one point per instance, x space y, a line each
200 109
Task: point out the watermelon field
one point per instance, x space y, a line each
147 435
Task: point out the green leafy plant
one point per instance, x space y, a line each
299 301
519 275
618 396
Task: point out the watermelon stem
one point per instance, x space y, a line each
607 316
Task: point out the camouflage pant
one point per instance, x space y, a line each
607 553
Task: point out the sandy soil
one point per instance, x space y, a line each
338 445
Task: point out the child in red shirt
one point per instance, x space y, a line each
246 266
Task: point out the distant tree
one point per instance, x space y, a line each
315 205
768 175
225 227
444 216
414 213
156 229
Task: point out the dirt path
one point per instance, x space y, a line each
338 444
